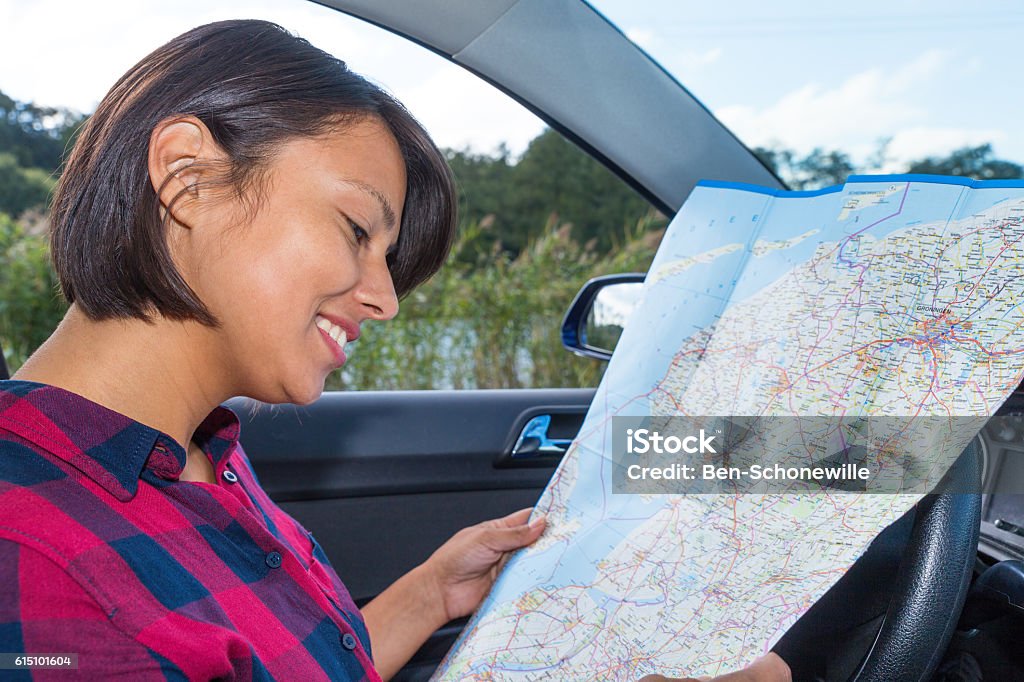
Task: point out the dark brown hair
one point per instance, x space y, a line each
254 85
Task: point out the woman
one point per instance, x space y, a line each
238 204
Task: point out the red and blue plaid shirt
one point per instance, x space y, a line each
105 553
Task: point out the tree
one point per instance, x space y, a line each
36 136
556 176
514 200
484 184
22 188
974 162
814 171
32 144
30 305
822 169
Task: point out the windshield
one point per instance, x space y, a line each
886 84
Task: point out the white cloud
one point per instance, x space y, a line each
913 144
459 110
687 62
853 115
644 37
68 54
684 64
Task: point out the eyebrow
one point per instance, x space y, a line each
385 205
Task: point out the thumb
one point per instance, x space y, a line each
507 539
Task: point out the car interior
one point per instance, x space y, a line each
393 474
945 579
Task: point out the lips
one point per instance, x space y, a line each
336 348
351 330
335 335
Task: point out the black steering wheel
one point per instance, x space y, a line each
892 615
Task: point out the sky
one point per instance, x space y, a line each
928 76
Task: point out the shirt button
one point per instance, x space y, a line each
229 476
274 559
348 641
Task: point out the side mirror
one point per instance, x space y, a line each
595 319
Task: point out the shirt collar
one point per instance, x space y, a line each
108 447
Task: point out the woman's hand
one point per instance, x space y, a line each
464 568
769 668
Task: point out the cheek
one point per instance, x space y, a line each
253 292
271 279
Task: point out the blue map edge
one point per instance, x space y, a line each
905 177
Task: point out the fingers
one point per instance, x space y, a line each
514 519
768 668
506 539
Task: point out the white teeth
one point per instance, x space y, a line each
333 330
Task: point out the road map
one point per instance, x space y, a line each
888 298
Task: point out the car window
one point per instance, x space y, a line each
538 216
833 89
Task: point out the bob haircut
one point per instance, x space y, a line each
255 86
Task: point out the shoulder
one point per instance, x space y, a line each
24 461
37 585
44 609
27 438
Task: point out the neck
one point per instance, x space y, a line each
163 374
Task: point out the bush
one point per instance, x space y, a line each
22 188
486 320
30 303
495 323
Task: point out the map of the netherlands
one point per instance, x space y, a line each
896 296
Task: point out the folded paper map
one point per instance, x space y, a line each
849 341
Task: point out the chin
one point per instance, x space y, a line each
304 392
290 388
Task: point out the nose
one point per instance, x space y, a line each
376 292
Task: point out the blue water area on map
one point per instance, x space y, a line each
571 563
791 216
984 198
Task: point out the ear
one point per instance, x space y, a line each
179 150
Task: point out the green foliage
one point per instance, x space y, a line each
813 171
32 143
22 188
36 136
823 169
553 175
495 323
30 306
974 162
533 231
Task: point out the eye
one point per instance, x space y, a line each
361 235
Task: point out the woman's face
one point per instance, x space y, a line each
293 281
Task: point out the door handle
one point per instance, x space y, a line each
534 440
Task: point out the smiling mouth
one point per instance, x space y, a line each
334 336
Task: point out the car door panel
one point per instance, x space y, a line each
381 479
